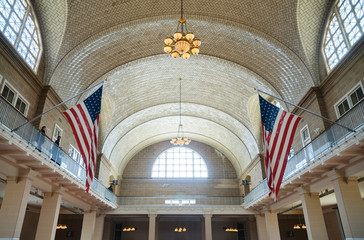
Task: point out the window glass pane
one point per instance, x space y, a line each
345 9
5 8
14 22
10 34
2 23
22 50
354 35
19 8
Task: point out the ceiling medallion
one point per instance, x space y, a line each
183 43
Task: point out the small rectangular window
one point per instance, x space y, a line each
343 107
353 97
305 136
57 131
356 96
14 98
21 106
8 94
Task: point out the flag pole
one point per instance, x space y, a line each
304 109
57 106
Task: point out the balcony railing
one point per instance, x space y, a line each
353 119
180 200
11 118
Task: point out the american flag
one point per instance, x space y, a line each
279 128
84 119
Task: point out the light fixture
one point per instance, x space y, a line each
129 229
180 229
229 229
180 140
183 43
300 225
296 226
59 225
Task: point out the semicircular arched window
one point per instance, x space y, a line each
179 162
18 25
345 28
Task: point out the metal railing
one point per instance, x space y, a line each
11 118
179 200
353 119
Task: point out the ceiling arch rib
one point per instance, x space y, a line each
209 114
119 45
196 128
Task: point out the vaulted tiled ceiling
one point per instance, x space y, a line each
269 45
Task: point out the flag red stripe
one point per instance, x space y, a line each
85 119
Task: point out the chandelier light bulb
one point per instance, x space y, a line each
167 49
168 41
177 35
190 36
196 42
194 50
186 55
175 54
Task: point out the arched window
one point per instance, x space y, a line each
345 28
17 24
179 162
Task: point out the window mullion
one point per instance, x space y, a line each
21 29
342 28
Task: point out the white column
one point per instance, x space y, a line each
13 207
152 226
314 217
88 225
271 223
208 228
351 207
99 227
47 223
261 228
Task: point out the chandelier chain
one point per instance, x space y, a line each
180 101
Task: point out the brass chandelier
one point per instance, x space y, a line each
183 43
180 140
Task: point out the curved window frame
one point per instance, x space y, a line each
20 28
179 163
341 32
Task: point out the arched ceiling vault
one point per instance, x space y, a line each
244 46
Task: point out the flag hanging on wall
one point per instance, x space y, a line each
84 119
278 128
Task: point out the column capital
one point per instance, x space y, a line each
207 216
